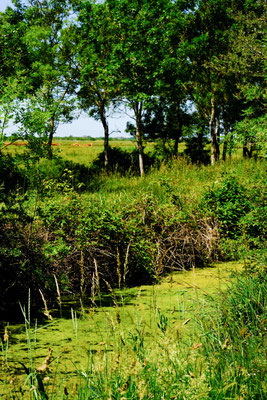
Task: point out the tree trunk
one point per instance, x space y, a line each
139 136
106 137
140 148
251 148
215 150
225 142
225 147
245 150
50 137
218 135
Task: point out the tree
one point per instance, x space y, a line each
166 110
164 120
51 73
138 27
246 60
173 78
13 62
207 35
97 79
217 87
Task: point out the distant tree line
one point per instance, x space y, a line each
185 69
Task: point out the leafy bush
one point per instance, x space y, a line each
255 221
58 173
228 202
163 150
129 245
130 236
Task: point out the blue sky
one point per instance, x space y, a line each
4 3
85 126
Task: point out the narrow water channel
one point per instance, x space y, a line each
171 306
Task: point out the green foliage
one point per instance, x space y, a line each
227 201
253 131
254 222
168 61
134 230
163 150
9 92
67 225
246 301
133 244
49 77
99 86
162 322
96 232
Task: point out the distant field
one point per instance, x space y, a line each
77 149
84 154
80 150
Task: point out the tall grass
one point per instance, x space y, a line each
233 340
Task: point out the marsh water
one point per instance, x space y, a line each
101 330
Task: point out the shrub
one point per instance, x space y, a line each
228 202
131 245
255 221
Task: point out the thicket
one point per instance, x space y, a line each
119 230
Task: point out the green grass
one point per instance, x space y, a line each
186 181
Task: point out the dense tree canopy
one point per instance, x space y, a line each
98 83
173 63
13 63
